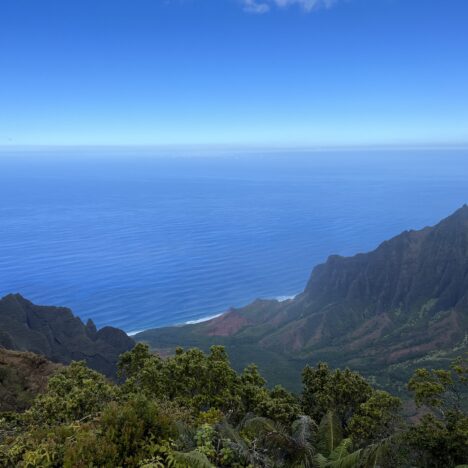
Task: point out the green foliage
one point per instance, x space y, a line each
190 377
285 446
75 393
442 435
253 390
375 419
16 393
193 410
330 433
442 390
132 362
195 459
205 382
340 457
339 391
279 405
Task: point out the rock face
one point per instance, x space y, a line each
57 334
378 312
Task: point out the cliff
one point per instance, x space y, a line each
57 334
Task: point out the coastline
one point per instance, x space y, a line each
206 318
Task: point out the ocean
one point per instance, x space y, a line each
142 237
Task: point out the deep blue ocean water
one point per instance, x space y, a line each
145 238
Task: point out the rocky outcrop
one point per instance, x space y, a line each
57 334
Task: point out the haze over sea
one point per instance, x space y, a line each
141 238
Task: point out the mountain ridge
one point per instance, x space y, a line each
54 332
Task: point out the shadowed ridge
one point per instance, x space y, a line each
56 333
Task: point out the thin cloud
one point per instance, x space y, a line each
255 6
252 6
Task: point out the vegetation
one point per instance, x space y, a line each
194 410
22 377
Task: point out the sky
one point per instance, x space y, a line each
234 72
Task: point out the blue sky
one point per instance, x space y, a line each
242 72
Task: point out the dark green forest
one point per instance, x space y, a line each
194 410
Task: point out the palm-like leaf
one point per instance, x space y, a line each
320 460
340 457
342 451
330 433
351 460
342 460
293 446
303 430
235 441
257 425
372 455
267 433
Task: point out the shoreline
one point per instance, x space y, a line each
204 319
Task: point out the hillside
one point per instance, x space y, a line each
22 377
57 334
380 313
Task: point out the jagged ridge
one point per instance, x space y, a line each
56 333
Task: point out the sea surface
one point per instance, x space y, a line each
141 238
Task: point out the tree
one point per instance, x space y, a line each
339 391
279 405
75 393
442 390
194 410
252 388
375 419
132 362
129 431
441 436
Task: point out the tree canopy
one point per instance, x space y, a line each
193 410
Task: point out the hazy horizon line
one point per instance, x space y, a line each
237 147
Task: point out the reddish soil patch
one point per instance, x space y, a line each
226 325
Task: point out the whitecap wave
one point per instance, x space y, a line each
203 319
285 298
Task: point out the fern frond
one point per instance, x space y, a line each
193 459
